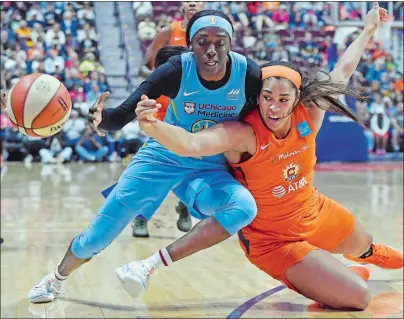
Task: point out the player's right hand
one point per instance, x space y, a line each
95 113
145 110
3 99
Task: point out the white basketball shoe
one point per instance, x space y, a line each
134 277
48 289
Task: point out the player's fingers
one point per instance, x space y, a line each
144 114
94 126
147 103
144 97
91 117
104 96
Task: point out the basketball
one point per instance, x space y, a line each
39 105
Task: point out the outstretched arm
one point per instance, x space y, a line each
227 136
349 61
162 38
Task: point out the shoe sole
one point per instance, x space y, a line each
133 288
39 300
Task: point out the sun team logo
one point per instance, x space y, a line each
212 20
201 125
290 172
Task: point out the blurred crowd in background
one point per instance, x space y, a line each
61 39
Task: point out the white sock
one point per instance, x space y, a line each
59 276
161 257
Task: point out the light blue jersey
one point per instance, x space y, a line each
203 184
196 107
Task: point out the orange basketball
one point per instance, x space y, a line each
39 105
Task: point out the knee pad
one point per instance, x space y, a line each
237 211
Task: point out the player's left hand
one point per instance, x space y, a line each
375 17
145 110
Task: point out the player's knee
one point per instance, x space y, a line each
246 206
362 296
84 246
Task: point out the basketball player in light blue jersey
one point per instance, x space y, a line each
207 86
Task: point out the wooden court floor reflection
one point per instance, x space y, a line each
44 207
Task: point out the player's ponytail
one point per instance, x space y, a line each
318 90
166 52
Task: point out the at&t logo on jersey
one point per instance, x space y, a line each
289 173
280 191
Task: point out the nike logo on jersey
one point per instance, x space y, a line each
177 38
265 146
190 93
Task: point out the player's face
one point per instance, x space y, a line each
190 8
276 101
211 46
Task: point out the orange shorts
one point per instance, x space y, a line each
325 227
161 113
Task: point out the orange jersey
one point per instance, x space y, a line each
178 35
280 174
178 38
161 113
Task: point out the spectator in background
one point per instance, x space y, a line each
377 104
68 25
380 125
146 29
88 64
248 39
86 15
55 36
142 9
281 17
261 19
90 148
52 15
52 61
80 104
131 139
55 150
74 128
397 122
24 33
88 45
364 116
87 30
94 94
309 18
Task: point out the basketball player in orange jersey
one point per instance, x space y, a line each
174 35
272 153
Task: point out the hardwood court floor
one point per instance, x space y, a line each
44 207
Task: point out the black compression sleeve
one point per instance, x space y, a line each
165 80
253 80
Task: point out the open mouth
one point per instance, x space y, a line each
274 118
211 63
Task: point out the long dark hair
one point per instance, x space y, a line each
203 13
166 52
319 89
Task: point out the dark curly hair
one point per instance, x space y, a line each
318 88
166 52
